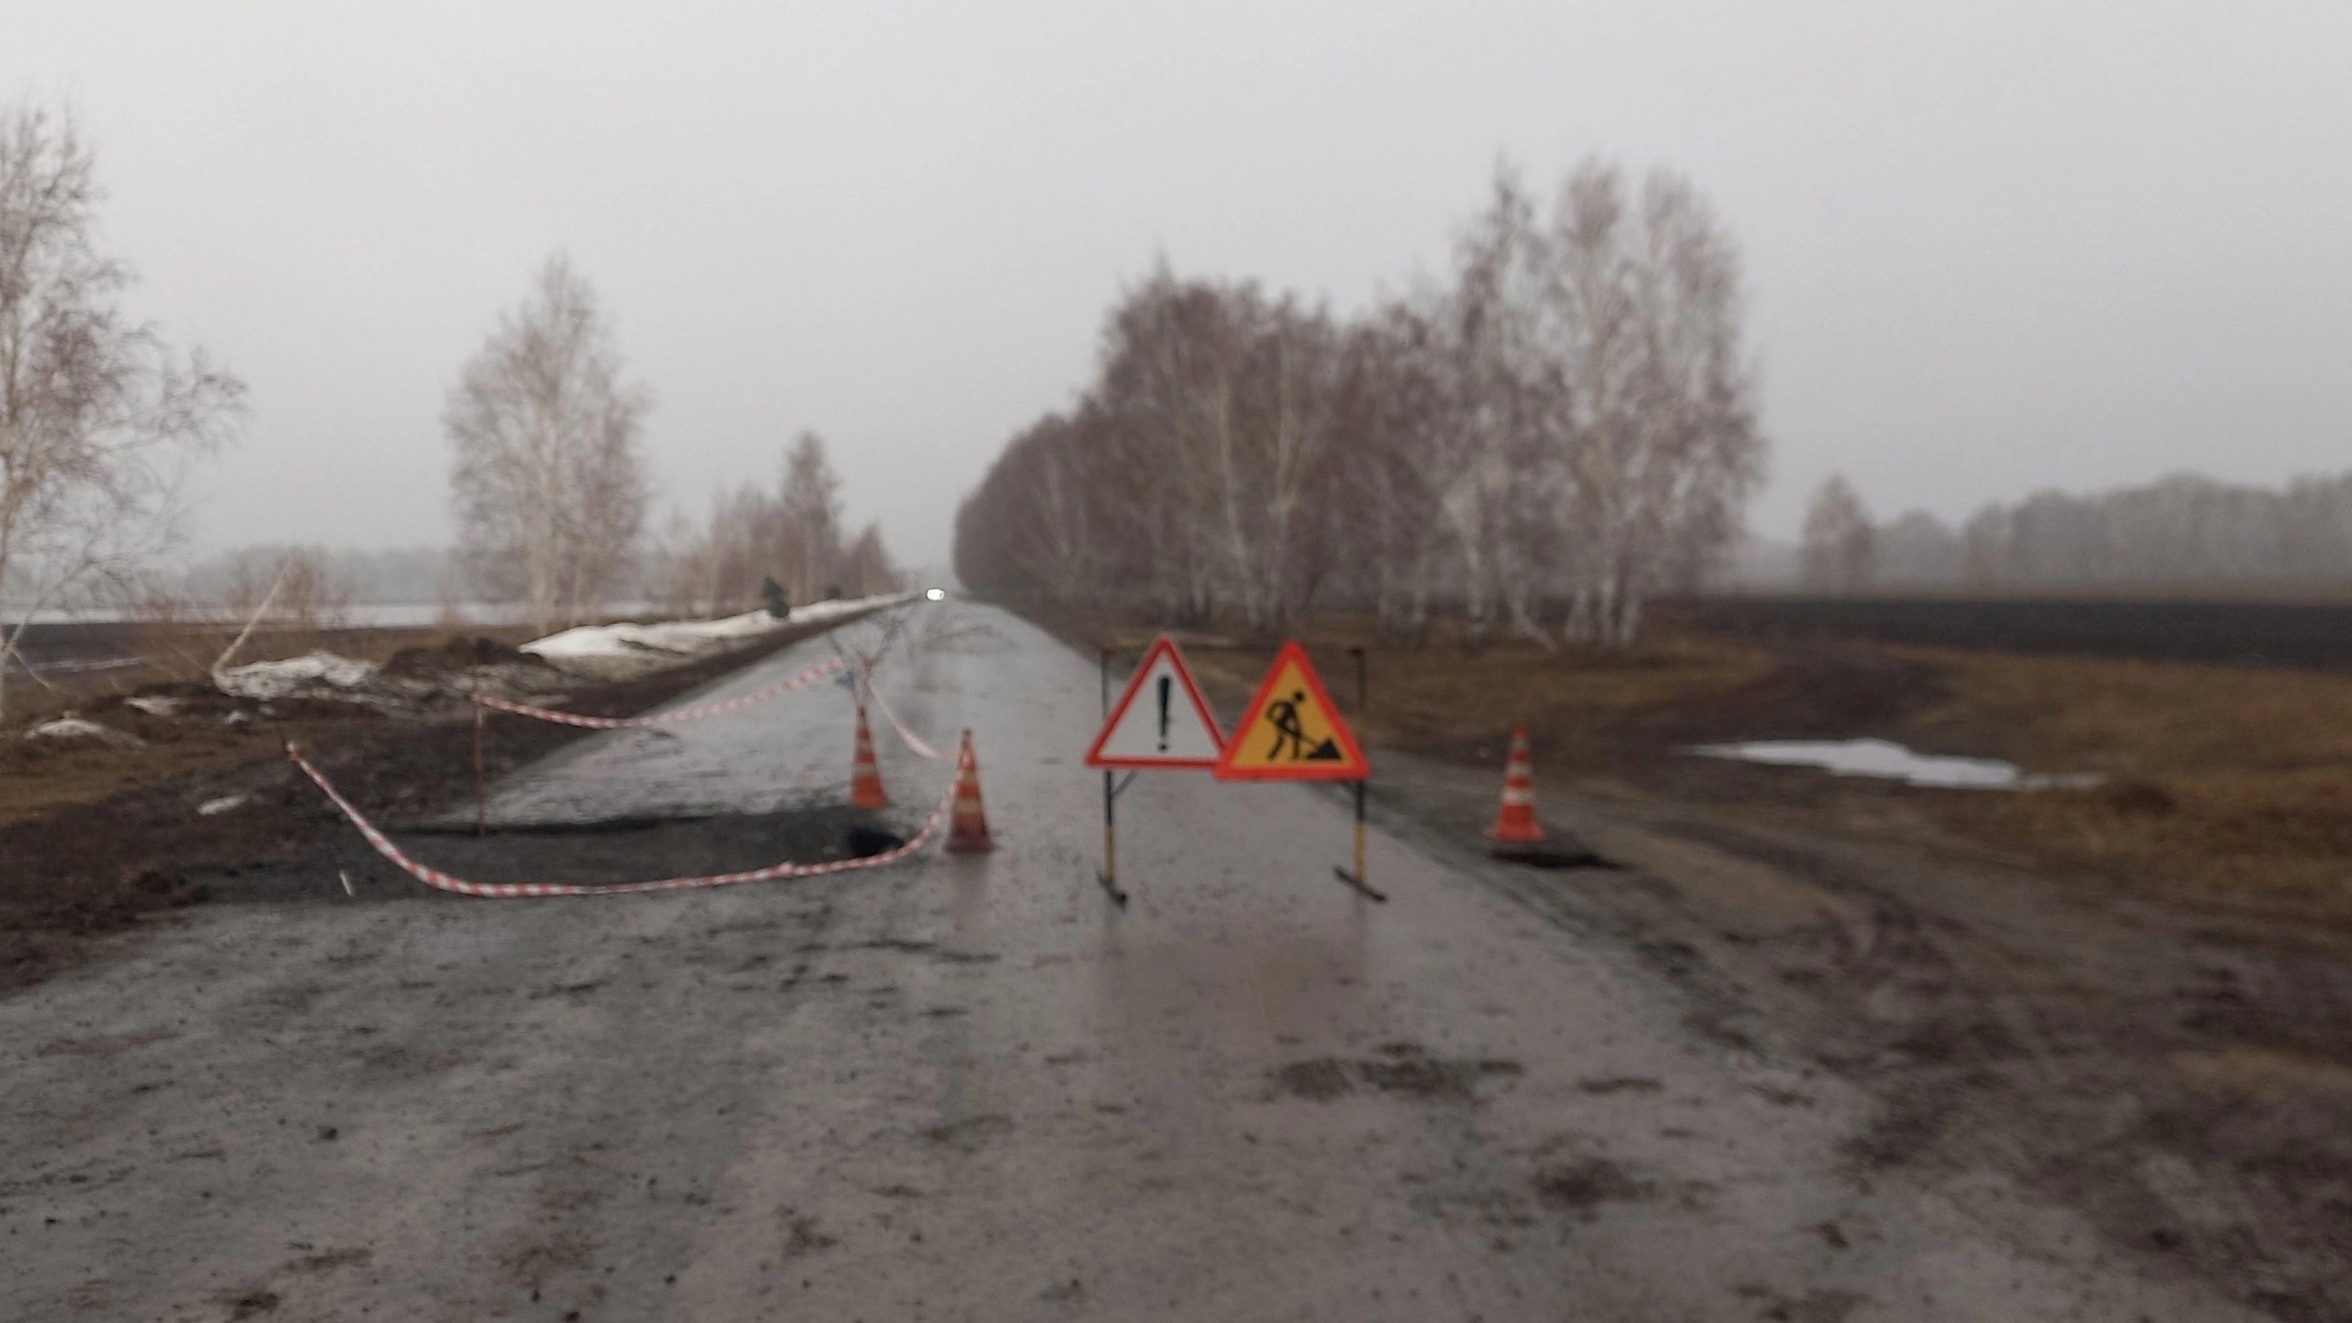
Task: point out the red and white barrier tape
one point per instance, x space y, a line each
434 877
913 741
813 673
863 662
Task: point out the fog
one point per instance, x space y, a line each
1990 247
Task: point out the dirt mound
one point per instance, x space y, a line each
455 656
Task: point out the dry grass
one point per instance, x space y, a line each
2237 778
2132 718
1442 700
41 776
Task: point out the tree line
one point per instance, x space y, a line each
2184 530
1559 428
793 537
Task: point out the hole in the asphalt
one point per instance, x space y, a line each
1544 856
866 842
602 852
614 826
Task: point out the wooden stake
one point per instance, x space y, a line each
481 796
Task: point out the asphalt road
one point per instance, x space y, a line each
965 1087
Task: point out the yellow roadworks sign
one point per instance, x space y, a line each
1291 730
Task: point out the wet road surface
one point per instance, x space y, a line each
967 1087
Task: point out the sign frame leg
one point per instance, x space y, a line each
1357 878
481 792
1108 874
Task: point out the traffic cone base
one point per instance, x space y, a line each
865 777
967 831
1515 827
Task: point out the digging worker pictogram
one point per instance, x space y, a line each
1283 715
1291 730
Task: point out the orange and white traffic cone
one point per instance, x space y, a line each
1515 827
967 830
865 777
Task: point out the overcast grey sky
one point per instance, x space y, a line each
1991 246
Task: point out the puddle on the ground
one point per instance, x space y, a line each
1887 759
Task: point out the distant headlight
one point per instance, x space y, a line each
936 594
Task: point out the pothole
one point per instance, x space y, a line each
582 854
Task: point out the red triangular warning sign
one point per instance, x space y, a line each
1291 731
1170 727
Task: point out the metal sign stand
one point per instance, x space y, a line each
1356 879
1108 874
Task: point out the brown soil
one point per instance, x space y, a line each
93 836
37 776
139 654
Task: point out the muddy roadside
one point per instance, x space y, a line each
204 806
2166 1049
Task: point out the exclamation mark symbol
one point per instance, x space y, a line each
1165 685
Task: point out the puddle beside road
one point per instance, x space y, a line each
1888 760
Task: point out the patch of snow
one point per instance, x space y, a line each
222 805
156 705
689 638
310 672
1884 758
81 667
70 727
681 638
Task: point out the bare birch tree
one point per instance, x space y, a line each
549 487
1646 319
1399 422
808 521
98 419
1840 550
866 564
1232 400
1509 396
